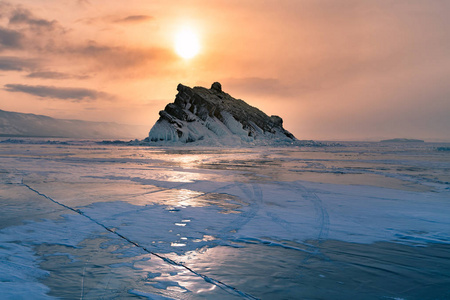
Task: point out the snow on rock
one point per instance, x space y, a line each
213 117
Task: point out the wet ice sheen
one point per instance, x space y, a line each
356 221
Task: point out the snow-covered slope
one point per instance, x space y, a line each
211 116
31 125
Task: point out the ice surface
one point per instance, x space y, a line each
149 295
207 222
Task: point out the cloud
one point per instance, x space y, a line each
256 86
118 19
47 39
22 30
55 75
23 16
10 39
118 58
10 63
83 2
63 93
4 7
134 19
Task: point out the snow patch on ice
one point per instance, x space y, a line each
19 265
19 272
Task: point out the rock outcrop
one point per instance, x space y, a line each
201 114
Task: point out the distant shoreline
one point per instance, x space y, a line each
400 140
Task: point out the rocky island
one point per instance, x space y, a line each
212 116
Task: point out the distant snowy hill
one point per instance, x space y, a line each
213 117
31 125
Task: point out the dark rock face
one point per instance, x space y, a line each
216 86
199 114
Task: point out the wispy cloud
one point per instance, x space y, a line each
116 19
63 93
22 16
55 75
134 19
11 63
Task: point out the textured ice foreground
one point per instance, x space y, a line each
82 220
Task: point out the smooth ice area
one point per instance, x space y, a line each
85 220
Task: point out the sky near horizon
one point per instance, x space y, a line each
332 69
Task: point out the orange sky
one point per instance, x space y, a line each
333 70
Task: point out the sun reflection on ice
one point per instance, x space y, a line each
174 199
179 176
188 161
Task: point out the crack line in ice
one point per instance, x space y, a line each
218 283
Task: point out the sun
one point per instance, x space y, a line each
187 44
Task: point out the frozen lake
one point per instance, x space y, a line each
83 220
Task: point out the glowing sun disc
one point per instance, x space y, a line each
186 43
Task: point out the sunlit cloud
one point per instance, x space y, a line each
54 75
116 55
116 19
123 60
134 19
